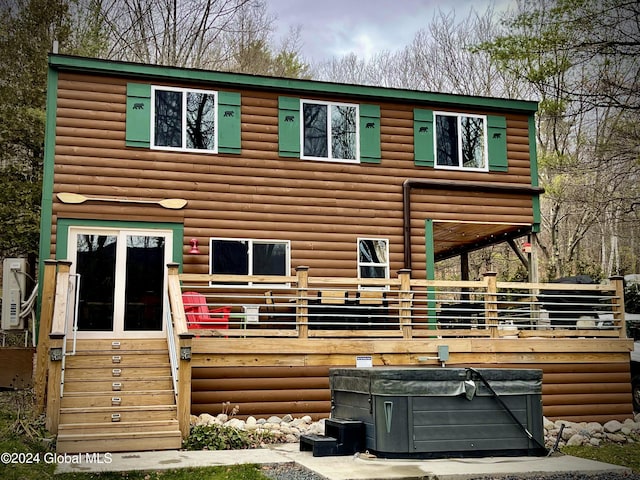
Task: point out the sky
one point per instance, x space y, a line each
337 27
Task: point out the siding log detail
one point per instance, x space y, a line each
260 195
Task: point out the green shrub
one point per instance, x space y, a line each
219 437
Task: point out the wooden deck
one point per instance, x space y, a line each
276 361
281 335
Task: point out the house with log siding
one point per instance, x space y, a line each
211 237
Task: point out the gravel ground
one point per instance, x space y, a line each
567 476
290 471
293 471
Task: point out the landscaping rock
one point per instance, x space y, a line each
594 427
612 426
591 433
235 423
584 433
615 437
577 440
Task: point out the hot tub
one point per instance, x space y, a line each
442 412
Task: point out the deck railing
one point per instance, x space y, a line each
304 306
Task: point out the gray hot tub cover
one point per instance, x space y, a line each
395 381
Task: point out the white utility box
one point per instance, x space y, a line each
13 292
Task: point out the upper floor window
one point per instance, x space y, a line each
234 256
461 141
329 131
184 119
373 258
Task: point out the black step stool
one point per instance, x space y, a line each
342 437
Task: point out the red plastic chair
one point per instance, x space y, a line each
200 316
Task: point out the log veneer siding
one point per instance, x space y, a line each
318 206
570 391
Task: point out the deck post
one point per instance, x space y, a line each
183 342
46 315
405 317
619 316
302 304
56 347
491 303
430 266
184 383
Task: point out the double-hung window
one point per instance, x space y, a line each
461 141
235 256
184 119
329 131
373 258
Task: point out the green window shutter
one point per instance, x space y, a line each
138 120
229 122
423 137
497 142
289 127
370 134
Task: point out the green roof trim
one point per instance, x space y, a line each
46 208
294 86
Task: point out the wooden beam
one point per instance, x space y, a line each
46 315
518 253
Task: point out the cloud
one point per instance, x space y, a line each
365 27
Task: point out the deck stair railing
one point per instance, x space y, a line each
181 354
173 351
304 306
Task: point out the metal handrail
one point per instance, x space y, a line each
173 351
446 306
71 306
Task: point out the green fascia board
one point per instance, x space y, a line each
293 86
46 203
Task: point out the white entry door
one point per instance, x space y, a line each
122 278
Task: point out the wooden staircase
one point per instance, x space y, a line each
118 397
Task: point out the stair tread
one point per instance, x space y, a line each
117 408
121 444
141 423
105 435
118 379
111 353
112 393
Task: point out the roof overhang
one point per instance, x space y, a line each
288 85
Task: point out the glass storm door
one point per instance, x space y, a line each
122 281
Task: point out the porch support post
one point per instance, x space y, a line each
54 387
184 383
46 315
534 277
430 271
302 304
619 316
491 303
464 275
405 295
56 347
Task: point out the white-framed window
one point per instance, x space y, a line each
184 119
245 256
373 258
330 131
460 141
